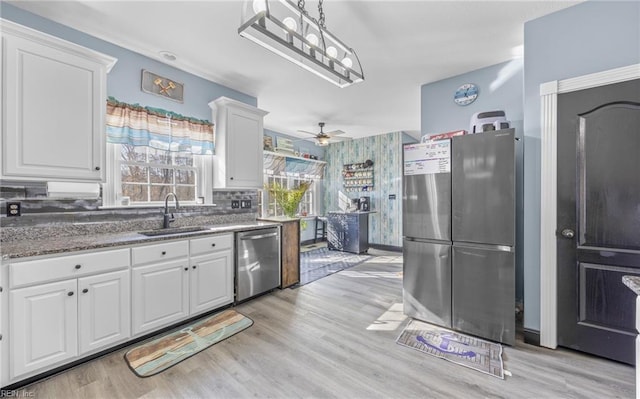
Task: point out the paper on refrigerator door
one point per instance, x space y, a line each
427 158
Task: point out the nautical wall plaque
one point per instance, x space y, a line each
161 86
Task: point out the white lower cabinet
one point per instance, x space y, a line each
65 306
211 282
48 320
62 308
44 326
160 294
104 315
177 279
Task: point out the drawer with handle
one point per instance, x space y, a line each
209 244
160 252
64 267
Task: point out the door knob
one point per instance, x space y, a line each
567 233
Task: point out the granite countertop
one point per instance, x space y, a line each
57 245
633 282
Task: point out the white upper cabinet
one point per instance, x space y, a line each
238 156
54 103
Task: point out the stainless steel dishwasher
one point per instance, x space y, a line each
257 262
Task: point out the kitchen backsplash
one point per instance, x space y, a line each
42 217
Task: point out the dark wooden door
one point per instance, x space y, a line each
598 224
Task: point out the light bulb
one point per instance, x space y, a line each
313 39
290 23
259 6
346 61
332 52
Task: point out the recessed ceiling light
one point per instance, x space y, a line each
167 55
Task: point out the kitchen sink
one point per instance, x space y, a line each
172 230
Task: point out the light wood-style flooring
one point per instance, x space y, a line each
335 338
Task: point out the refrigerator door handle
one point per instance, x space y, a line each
491 247
426 240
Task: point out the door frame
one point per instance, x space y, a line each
548 186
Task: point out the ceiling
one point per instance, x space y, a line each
401 45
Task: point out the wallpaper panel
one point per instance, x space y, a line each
385 224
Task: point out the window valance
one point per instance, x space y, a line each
136 125
280 165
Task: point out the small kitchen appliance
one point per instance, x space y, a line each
488 121
364 204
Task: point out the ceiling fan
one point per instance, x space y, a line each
322 138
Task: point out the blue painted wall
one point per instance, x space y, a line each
124 80
590 37
500 88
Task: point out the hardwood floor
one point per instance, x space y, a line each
335 337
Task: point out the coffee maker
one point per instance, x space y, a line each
364 205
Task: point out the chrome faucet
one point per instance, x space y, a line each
168 217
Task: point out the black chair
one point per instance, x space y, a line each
321 228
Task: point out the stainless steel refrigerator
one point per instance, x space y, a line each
459 234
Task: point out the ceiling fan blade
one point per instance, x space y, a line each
334 133
304 139
304 131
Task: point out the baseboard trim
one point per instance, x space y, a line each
386 247
532 337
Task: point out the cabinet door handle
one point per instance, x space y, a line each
78 267
186 269
70 293
97 168
164 252
84 291
213 245
231 178
194 266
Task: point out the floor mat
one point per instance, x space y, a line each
455 347
322 262
171 348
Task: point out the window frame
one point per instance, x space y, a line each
112 187
309 200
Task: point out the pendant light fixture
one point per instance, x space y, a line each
288 30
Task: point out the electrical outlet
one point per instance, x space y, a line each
13 209
245 204
235 204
